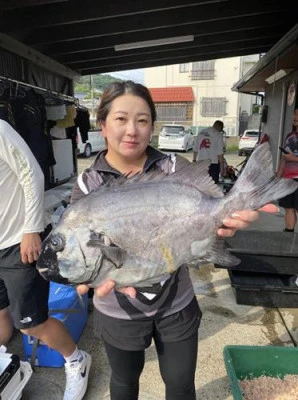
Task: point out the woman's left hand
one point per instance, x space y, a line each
105 288
242 219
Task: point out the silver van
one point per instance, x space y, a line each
175 137
94 144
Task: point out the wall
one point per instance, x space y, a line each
246 100
227 72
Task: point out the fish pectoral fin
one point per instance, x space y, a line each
114 254
98 239
109 251
95 243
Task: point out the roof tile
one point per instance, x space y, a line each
172 94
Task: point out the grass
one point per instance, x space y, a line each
233 148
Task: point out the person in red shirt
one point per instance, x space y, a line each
209 145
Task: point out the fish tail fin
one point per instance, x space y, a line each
258 185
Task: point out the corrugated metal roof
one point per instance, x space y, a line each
172 94
282 56
84 36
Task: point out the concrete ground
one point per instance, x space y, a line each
224 322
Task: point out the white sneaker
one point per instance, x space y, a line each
77 373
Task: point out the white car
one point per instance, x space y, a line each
95 143
175 137
248 141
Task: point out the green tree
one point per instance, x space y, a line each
99 82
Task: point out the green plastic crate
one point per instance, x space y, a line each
253 361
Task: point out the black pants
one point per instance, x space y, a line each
177 363
214 170
290 201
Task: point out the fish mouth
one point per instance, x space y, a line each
47 266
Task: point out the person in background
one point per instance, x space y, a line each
23 292
168 312
288 168
209 145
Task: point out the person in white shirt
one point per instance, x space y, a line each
23 292
209 145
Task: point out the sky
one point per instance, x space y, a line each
136 75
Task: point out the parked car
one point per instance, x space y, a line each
95 143
175 137
248 141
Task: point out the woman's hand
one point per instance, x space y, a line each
105 288
242 219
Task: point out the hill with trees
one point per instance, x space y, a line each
97 82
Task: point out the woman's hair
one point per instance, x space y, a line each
117 89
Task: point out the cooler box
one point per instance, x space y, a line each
264 289
72 310
265 251
14 374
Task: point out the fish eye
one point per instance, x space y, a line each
57 243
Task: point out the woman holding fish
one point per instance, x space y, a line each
167 311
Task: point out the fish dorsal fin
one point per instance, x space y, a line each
141 176
194 174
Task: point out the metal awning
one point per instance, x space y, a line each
84 36
281 60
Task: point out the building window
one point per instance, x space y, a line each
171 112
213 106
184 67
202 70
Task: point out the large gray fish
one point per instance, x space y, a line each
139 230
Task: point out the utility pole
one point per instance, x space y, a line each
92 96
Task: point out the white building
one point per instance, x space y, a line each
211 82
